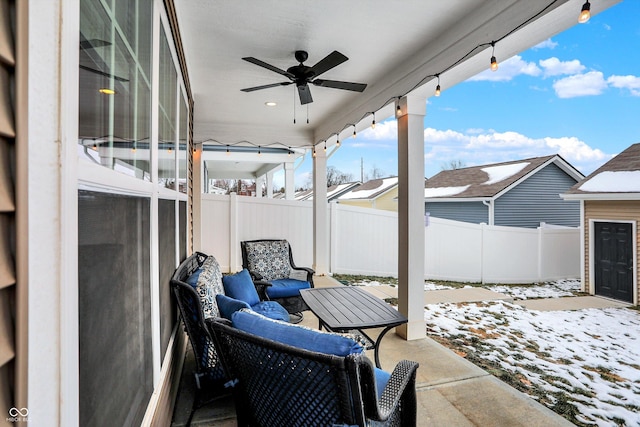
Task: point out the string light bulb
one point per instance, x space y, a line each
354 131
438 86
373 122
398 110
289 152
228 152
494 61
338 141
259 152
585 13
314 151
325 146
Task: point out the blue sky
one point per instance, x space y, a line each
576 94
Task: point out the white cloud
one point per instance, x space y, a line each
591 83
489 147
547 44
632 83
554 67
385 130
508 70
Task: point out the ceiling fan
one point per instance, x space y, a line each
302 75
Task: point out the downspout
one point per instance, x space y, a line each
489 204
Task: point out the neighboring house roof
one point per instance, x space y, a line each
489 181
335 191
371 189
619 178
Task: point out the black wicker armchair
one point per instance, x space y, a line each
282 385
277 278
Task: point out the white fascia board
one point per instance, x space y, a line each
601 196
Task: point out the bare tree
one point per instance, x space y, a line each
374 173
334 177
453 165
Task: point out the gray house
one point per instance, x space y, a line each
521 193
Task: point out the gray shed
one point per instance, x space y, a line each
520 193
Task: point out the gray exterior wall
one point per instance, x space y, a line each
537 200
474 212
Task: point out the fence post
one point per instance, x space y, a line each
333 233
540 250
482 251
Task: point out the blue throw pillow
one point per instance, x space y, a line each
295 335
382 378
240 286
193 279
228 306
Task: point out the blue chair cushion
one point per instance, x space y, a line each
272 310
382 378
295 335
193 279
228 306
240 286
283 288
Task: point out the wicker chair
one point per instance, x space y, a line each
281 385
209 371
270 263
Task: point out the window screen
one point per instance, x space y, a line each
116 377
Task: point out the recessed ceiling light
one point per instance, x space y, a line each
107 91
270 104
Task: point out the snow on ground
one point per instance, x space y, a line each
590 356
557 289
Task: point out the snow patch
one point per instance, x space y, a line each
500 173
613 182
444 191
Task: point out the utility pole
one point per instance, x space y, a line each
361 170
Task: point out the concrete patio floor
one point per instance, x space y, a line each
451 391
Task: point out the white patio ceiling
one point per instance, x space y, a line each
392 46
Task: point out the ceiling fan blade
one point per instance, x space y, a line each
102 73
356 87
268 66
93 44
305 94
334 59
251 89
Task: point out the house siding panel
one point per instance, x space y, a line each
537 200
473 212
617 210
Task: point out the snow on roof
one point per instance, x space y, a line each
613 182
502 172
365 191
444 191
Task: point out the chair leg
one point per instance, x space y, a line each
296 317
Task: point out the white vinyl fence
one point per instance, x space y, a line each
365 241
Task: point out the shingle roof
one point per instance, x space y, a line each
485 181
626 161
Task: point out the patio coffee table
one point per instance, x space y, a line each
347 308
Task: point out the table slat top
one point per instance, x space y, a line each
349 307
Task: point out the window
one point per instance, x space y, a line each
115 85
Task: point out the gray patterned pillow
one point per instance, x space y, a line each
270 259
208 286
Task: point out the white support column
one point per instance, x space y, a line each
320 215
289 185
270 185
411 216
259 184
